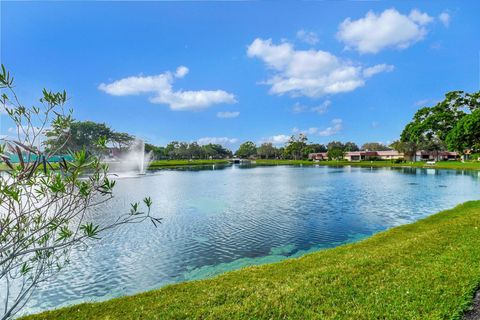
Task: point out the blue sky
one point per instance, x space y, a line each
234 71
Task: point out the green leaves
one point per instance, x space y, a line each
47 205
134 208
431 126
90 230
64 234
5 79
148 202
25 268
57 185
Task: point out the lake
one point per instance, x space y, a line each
220 218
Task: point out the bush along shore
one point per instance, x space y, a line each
429 269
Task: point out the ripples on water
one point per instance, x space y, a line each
219 220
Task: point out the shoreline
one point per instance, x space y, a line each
454 165
427 269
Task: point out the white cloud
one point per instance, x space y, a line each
181 72
444 18
309 131
336 127
307 36
298 107
369 72
389 29
426 102
277 139
311 73
228 114
163 92
217 140
321 109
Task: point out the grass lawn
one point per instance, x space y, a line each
176 163
426 270
420 164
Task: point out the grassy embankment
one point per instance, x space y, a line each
419 164
426 270
158 164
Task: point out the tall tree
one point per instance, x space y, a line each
436 122
466 133
350 146
85 135
296 145
374 146
267 150
246 150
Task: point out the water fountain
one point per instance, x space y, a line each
134 160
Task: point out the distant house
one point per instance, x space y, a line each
436 156
318 156
389 155
373 155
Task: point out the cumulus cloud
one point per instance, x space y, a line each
277 139
309 131
444 18
298 107
161 86
371 71
320 109
389 29
224 141
336 127
307 36
311 73
228 114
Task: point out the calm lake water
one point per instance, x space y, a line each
224 218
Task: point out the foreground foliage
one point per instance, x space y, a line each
426 270
46 211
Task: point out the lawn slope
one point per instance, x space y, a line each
426 270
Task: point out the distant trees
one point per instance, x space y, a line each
267 151
85 134
336 150
350 146
176 150
296 145
374 146
246 150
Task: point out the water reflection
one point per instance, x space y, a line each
222 217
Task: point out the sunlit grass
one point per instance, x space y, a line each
426 270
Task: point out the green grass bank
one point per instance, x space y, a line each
426 270
158 164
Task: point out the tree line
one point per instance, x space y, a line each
87 134
451 125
